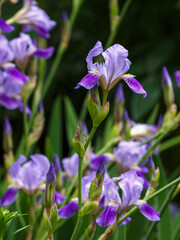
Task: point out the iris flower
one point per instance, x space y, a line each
109 72
29 176
131 186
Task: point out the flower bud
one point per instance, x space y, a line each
28 88
37 128
50 187
47 221
167 87
77 141
57 168
102 114
65 35
7 136
93 103
53 216
88 208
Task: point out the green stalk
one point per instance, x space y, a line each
159 139
115 31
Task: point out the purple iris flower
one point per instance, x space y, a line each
29 176
26 175
109 72
23 47
129 153
177 77
4 27
34 18
11 79
131 186
70 165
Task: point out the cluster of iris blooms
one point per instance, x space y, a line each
107 198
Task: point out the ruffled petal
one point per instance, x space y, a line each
108 216
89 81
95 51
148 211
59 198
68 210
15 74
9 197
134 85
44 53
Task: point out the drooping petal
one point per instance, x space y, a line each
9 197
134 85
4 27
89 81
108 216
95 51
59 198
177 77
8 102
148 211
44 53
15 74
68 210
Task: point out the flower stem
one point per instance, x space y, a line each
159 139
90 138
114 32
80 183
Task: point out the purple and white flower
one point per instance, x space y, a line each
111 71
11 79
129 153
131 186
34 18
23 47
29 176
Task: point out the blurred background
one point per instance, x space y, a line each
150 31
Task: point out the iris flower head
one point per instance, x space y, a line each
111 70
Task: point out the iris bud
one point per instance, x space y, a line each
88 208
77 141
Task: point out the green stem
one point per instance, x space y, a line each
80 183
163 207
25 122
90 138
105 95
77 228
114 32
110 144
158 140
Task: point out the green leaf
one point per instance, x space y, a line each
17 231
152 118
164 226
120 233
49 152
169 143
71 120
55 127
176 227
